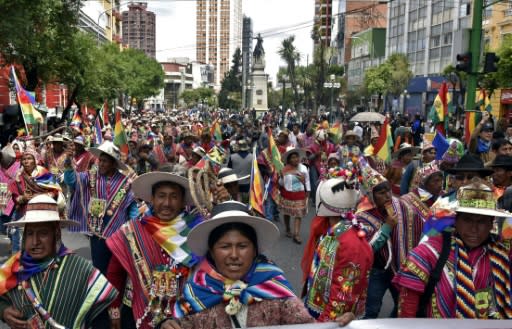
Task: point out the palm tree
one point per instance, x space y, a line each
291 56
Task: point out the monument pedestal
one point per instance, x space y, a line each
259 91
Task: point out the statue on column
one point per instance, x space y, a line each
259 52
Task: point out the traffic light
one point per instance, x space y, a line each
464 62
491 62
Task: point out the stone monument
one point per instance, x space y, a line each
259 79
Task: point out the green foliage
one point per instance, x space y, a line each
291 56
400 73
193 97
35 34
503 76
230 95
143 76
390 77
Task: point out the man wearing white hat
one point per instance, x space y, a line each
152 249
102 201
45 285
230 180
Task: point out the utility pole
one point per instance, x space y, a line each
475 45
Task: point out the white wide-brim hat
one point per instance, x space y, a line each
290 151
267 232
42 209
227 175
111 150
142 186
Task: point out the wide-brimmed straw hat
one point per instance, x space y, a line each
404 147
42 209
227 175
111 150
350 133
478 198
470 162
290 150
232 212
142 186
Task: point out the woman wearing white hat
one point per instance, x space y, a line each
45 285
235 285
294 187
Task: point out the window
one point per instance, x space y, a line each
446 52
435 53
436 30
435 41
447 38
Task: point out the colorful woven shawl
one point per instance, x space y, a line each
172 236
207 288
21 267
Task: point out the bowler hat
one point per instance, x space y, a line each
470 162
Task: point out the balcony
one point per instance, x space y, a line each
117 38
117 14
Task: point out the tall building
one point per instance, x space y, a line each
246 60
353 17
218 33
323 20
431 33
139 28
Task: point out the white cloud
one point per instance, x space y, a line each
176 27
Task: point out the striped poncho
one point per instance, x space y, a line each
74 293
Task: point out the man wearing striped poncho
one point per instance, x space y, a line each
151 252
45 285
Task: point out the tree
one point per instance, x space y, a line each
390 77
291 56
144 76
400 74
232 84
199 95
36 35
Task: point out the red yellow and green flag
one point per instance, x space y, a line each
120 139
439 111
385 142
472 118
274 152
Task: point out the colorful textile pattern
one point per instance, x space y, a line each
404 236
98 135
172 236
207 288
21 267
488 265
215 131
74 293
106 188
256 187
465 307
45 179
339 274
26 101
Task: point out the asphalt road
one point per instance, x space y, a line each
285 253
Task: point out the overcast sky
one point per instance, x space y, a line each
176 27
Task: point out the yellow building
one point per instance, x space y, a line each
497 23
111 20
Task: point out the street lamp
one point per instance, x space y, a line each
332 84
